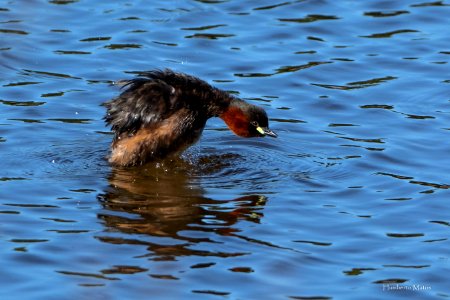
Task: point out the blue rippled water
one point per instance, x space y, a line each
350 202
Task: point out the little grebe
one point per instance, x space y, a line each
163 112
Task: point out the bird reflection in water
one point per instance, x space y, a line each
166 201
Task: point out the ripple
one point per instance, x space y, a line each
10 21
309 19
357 84
389 34
293 121
21 83
407 266
211 292
129 19
417 117
426 4
11 178
21 103
165 44
12 31
47 74
122 46
229 169
382 14
71 52
9 212
391 281
82 274
358 271
272 6
206 27
164 276
26 241
405 235
56 94
379 106
96 39
287 69
315 243
210 36
138 31
26 121
202 265
71 120
252 74
124 270
310 297
69 231
60 220
32 205
212 1
417 182
377 141
342 125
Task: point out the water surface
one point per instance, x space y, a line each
350 202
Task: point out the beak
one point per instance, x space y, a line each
266 131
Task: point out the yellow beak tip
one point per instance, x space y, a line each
260 130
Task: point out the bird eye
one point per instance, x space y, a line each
254 123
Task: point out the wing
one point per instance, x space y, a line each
145 101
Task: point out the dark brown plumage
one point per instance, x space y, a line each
163 112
